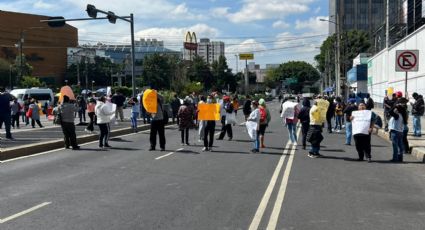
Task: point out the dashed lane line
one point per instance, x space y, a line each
12 217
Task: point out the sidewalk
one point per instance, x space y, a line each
417 144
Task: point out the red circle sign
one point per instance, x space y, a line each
404 62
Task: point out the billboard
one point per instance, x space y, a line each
246 56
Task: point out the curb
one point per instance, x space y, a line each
416 151
31 149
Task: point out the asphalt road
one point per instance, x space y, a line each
128 187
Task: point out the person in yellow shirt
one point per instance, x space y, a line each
317 118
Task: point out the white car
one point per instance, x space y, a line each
42 95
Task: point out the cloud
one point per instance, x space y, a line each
246 46
43 5
256 10
280 25
313 24
317 10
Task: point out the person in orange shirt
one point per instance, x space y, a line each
235 104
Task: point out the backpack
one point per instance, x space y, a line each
263 115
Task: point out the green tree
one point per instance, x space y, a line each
353 42
28 82
199 71
304 72
25 68
157 71
223 76
5 73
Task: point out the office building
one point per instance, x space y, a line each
210 51
44 47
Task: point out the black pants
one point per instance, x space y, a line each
104 134
185 135
90 126
304 130
157 127
225 128
209 134
82 115
329 120
70 137
363 146
405 141
6 119
38 123
15 120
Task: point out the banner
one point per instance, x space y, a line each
252 129
288 110
323 106
209 112
150 101
361 121
66 90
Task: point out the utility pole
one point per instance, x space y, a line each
246 77
338 54
387 26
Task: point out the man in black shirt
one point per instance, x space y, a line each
119 100
5 115
247 107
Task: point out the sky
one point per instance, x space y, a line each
276 31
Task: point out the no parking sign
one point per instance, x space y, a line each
407 61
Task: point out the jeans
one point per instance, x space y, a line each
257 142
338 122
398 146
134 116
348 132
417 126
315 149
104 134
292 131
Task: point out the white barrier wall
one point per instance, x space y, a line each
381 68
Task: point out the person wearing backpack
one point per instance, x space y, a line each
265 118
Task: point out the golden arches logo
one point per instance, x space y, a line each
191 37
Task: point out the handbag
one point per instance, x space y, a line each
230 118
29 112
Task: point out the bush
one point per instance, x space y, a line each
28 82
192 87
126 91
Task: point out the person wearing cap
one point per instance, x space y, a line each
417 113
401 103
265 118
226 112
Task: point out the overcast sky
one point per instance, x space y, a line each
275 30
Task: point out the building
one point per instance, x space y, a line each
259 72
210 51
44 48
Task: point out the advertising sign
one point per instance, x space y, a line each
246 56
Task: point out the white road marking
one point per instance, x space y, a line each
266 197
24 212
169 154
274 217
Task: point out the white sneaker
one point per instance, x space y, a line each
204 149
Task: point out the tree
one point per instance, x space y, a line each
28 82
223 76
199 71
156 71
353 42
26 68
304 72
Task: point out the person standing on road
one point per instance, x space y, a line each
5 114
348 125
92 115
185 115
265 118
235 104
119 100
396 128
175 105
103 115
209 131
339 108
289 117
314 134
135 111
27 103
363 141
82 105
330 114
35 113
201 124
157 126
370 104
401 102
226 119
255 117
304 117
16 113
388 105
65 112
246 107
417 112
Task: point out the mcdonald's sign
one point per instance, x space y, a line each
190 41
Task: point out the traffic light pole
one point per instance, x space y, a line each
133 57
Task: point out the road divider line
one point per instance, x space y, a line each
2 221
169 154
266 197
274 217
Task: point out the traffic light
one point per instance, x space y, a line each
112 18
91 11
56 23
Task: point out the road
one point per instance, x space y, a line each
128 187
